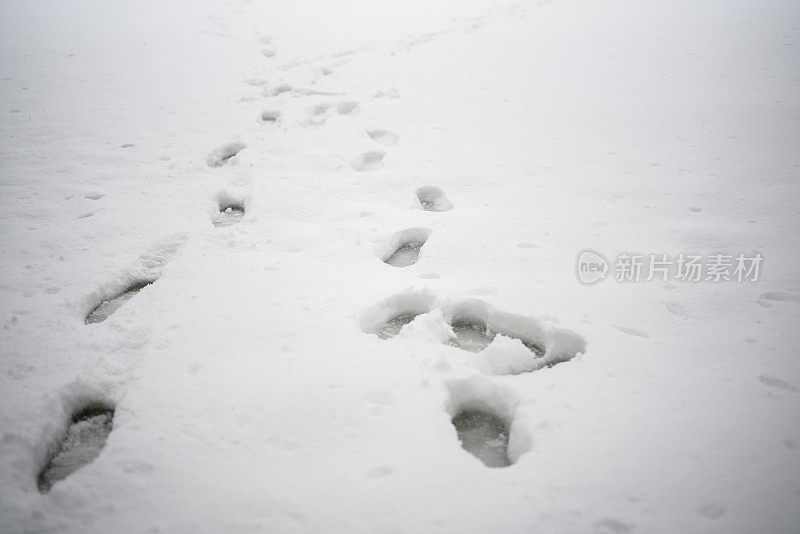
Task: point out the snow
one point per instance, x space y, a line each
258 382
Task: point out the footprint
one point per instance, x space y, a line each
369 161
106 308
473 336
347 108
392 327
93 196
82 443
109 299
484 435
711 511
222 154
777 383
482 412
404 248
384 137
229 215
507 343
278 89
317 115
433 199
386 318
779 296
269 115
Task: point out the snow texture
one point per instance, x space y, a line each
317 261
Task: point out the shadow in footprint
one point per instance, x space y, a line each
229 214
106 308
222 154
82 443
433 199
484 435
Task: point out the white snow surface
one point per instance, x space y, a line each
248 395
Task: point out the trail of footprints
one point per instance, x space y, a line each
481 411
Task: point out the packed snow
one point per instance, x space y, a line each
344 266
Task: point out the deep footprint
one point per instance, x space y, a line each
406 255
392 327
229 214
82 443
483 435
471 336
105 309
474 336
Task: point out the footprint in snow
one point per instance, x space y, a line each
229 215
278 89
146 273
369 161
107 307
317 115
392 327
223 154
482 413
269 115
230 208
777 383
84 439
384 137
347 108
404 247
484 435
432 198
503 343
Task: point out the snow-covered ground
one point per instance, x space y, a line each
255 383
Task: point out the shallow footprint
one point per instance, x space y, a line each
483 435
433 199
384 137
269 115
85 438
229 214
369 161
222 154
105 309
